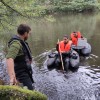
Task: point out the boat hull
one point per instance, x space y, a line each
72 62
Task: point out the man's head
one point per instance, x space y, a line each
24 31
65 39
75 34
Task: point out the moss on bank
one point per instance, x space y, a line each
17 93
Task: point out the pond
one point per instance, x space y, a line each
45 34
44 37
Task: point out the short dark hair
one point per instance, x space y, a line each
22 28
66 36
74 32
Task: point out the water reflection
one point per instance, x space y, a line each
45 34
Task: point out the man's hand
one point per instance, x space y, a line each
13 81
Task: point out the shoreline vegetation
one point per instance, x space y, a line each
76 6
42 8
37 8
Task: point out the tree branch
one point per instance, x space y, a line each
11 8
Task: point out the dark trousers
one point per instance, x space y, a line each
26 82
23 75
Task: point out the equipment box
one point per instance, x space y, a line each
82 42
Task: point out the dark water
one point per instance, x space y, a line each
81 85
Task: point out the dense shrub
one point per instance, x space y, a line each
65 6
79 6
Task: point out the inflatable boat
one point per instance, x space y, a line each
72 62
83 48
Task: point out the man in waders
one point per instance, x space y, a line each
19 58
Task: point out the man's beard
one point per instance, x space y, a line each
25 38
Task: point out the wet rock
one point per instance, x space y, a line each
3 72
1 82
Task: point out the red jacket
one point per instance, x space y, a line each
65 47
74 39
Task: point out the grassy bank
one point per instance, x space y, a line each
17 93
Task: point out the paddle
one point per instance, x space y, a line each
61 57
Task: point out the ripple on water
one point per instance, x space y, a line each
80 85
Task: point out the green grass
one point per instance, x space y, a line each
17 93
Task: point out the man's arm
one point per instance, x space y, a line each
11 55
11 72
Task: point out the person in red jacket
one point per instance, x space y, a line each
63 47
75 36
